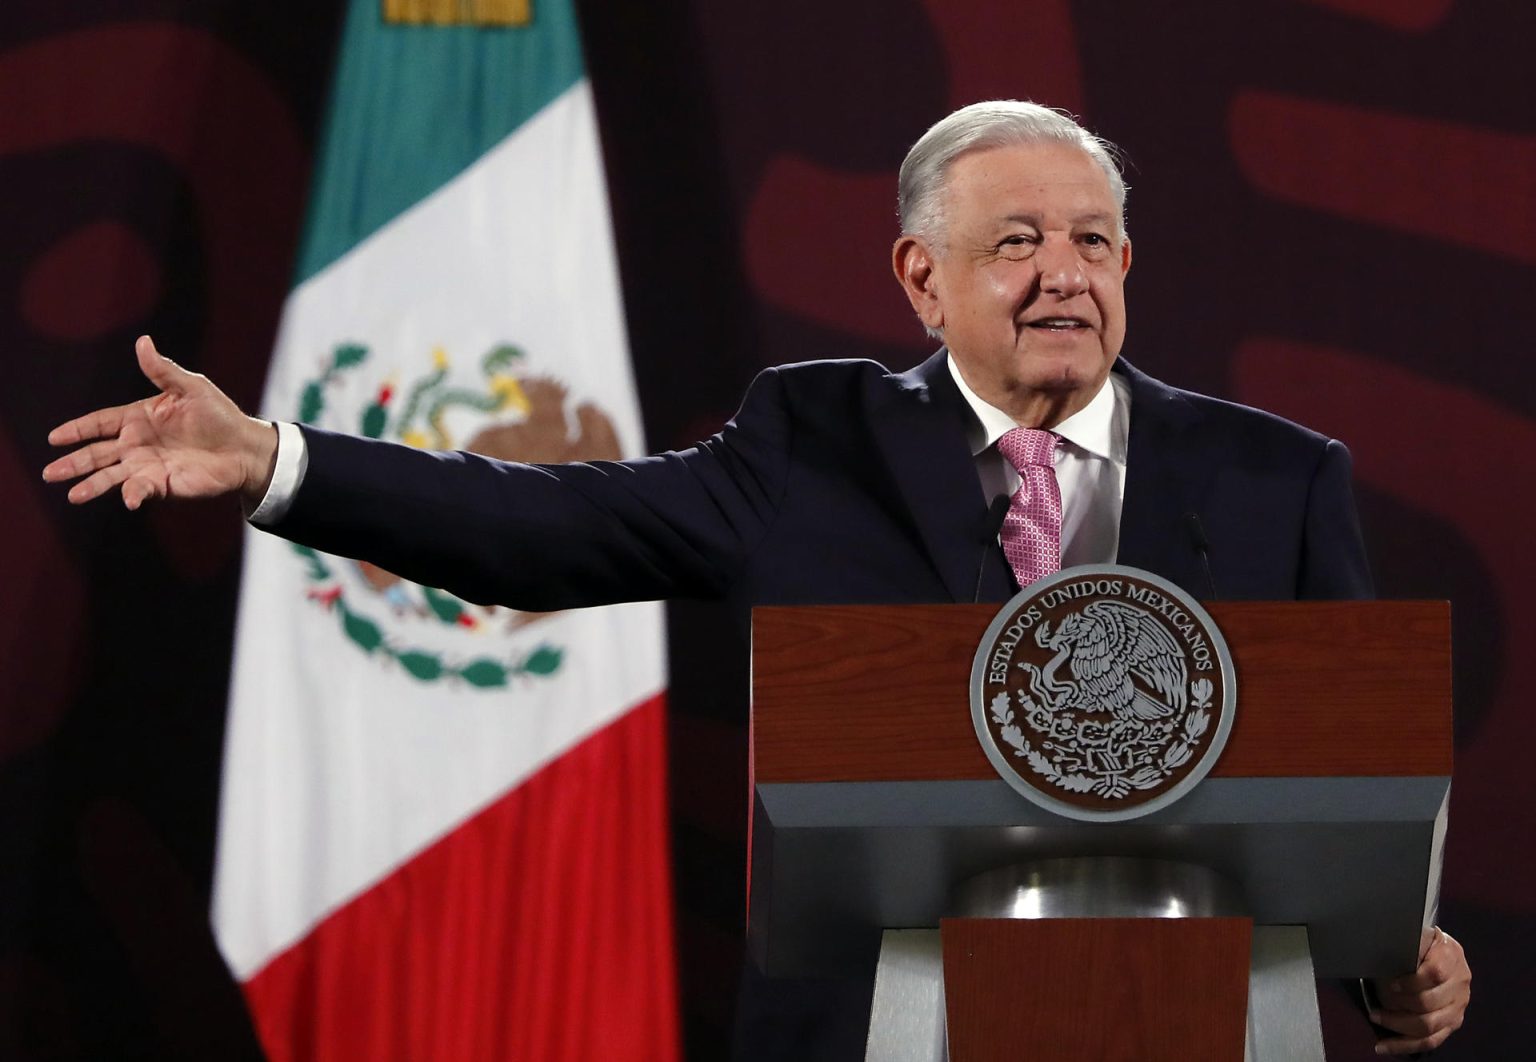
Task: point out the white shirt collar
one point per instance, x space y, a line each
1095 428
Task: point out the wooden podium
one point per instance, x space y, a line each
874 805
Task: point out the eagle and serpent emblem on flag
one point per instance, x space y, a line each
1103 692
496 412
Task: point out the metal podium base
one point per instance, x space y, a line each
907 1015
1283 1022
906 1019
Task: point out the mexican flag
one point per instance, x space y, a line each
443 826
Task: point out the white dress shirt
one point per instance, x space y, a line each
1090 466
287 474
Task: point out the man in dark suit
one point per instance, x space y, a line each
839 481
835 482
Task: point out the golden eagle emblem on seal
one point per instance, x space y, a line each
1102 692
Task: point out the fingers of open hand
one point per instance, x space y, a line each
141 488
83 461
97 425
104 468
161 371
164 373
98 483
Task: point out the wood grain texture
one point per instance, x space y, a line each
1096 989
867 693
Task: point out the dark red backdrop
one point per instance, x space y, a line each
1332 205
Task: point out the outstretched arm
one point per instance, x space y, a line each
188 441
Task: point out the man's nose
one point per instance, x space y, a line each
1061 268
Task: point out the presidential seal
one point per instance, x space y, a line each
1103 693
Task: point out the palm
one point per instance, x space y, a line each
176 442
189 441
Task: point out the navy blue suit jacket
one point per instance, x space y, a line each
837 481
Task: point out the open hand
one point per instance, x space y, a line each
1428 1005
188 441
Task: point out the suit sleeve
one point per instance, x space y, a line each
545 537
1333 561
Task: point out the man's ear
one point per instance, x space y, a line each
912 259
1125 255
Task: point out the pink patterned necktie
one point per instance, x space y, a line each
1032 529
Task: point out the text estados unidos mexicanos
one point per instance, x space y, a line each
1013 634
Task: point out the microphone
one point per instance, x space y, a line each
1202 546
996 514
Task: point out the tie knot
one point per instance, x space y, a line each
1024 447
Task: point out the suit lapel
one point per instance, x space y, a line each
1167 477
920 432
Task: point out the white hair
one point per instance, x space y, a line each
994 123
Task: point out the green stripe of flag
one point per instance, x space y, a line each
412 106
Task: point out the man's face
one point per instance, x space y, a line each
1028 286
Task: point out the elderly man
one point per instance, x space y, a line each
840 481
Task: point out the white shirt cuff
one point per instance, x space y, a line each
287 476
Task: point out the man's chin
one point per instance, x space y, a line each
1054 374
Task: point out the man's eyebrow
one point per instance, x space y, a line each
1097 217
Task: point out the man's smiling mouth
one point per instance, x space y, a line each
1059 324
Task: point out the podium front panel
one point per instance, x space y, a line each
873 801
